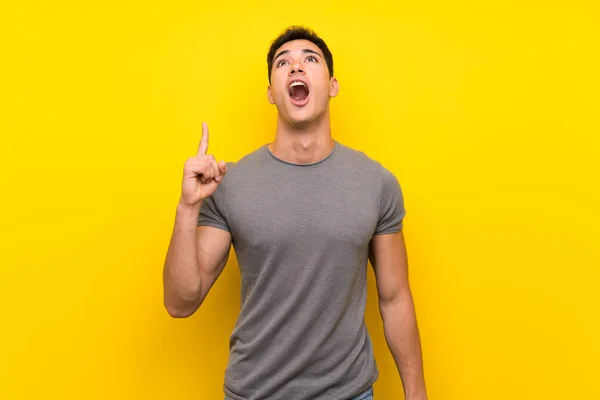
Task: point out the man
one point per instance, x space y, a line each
304 214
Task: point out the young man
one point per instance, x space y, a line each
304 214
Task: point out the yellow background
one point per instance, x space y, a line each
487 112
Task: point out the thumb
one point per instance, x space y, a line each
222 167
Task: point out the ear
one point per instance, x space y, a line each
334 87
269 95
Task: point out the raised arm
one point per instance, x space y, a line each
196 254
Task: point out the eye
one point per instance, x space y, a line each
313 58
280 62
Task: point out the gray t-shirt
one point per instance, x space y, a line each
301 235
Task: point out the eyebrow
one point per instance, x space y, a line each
303 51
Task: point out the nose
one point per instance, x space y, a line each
296 67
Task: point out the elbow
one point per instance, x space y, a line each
182 302
177 312
396 300
181 310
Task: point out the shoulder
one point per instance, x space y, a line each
246 167
358 159
379 180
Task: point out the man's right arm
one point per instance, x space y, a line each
195 259
197 254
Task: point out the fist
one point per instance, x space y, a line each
202 174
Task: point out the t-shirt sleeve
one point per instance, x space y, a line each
391 205
211 210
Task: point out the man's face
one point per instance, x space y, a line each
300 83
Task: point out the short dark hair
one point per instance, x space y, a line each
296 33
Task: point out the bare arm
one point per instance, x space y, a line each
389 260
194 261
196 254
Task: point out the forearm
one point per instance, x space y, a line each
402 335
181 274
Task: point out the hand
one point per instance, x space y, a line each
202 174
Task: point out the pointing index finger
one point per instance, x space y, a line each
203 147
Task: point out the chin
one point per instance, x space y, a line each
300 122
302 117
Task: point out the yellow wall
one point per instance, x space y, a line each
487 112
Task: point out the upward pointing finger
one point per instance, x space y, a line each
203 147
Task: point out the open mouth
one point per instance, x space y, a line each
299 92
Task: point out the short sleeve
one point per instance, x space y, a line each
391 205
211 210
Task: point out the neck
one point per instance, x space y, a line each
302 144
